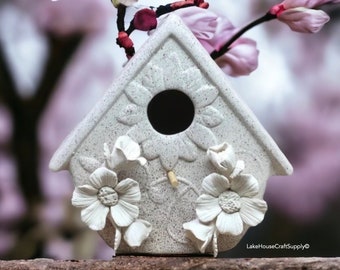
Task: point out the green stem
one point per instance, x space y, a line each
267 17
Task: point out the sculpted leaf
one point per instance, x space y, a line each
89 164
210 117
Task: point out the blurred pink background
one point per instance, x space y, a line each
57 60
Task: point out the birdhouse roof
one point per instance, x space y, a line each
171 29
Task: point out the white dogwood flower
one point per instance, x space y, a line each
104 195
228 201
231 203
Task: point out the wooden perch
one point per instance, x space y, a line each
153 263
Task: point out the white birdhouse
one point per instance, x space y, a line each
170 161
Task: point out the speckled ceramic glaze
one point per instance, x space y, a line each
194 159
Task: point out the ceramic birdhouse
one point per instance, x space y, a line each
170 161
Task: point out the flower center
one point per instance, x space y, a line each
107 196
229 201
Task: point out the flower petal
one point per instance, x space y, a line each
239 167
188 149
166 147
210 29
138 94
199 233
128 190
210 117
131 115
150 151
204 96
202 136
124 213
169 159
245 185
195 81
252 210
129 148
95 216
229 223
153 79
145 19
304 20
81 198
201 22
306 3
89 190
141 131
103 177
207 208
124 152
89 164
241 59
137 232
214 184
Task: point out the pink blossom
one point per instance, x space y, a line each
213 32
304 20
306 3
145 19
301 16
241 59
65 17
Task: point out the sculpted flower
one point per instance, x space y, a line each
125 152
104 195
223 208
213 32
230 202
300 16
182 143
223 157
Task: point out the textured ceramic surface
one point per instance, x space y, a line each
170 161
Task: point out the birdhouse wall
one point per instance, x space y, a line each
215 121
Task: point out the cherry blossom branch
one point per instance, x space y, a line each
267 17
145 20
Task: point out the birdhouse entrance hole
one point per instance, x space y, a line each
170 112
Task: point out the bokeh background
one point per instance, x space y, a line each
57 58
